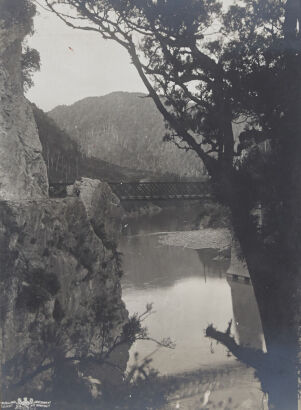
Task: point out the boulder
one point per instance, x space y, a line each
103 208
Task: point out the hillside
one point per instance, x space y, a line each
65 161
125 129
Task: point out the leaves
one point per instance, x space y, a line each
30 64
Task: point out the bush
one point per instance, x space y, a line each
213 215
40 287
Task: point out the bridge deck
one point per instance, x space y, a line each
146 190
160 190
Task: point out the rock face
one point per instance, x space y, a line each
103 207
60 296
61 311
23 172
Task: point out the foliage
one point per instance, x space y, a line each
133 330
67 351
144 392
30 64
60 153
141 389
21 13
17 12
213 215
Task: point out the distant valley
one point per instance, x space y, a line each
126 130
66 162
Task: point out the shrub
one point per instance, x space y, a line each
40 287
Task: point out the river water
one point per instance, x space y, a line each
185 278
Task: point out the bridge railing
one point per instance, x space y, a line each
160 190
146 190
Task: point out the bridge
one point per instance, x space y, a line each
159 190
145 190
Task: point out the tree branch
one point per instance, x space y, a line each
251 357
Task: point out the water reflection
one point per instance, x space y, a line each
247 323
251 367
190 290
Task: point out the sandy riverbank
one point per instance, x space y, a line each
219 239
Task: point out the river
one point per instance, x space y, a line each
167 262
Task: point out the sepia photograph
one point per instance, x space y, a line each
150 204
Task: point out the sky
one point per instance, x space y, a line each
92 67
76 64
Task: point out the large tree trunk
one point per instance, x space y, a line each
275 274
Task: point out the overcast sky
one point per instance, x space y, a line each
94 67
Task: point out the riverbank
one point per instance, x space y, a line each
232 386
137 209
207 212
219 239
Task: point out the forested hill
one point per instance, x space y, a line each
125 129
65 162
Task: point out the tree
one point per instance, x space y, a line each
67 351
21 12
266 366
30 64
18 12
208 69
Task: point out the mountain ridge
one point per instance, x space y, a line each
65 162
125 129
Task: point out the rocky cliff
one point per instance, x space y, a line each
60 295
22 169
60 298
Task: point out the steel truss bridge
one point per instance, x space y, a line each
159 190
145 190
